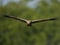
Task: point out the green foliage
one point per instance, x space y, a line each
13 32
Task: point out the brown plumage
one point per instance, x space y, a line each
30 22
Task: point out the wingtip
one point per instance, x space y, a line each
5 16
55 18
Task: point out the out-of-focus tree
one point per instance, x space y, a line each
13 32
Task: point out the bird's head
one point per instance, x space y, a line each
29 23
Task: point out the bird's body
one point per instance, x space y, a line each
30 22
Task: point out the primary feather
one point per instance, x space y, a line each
20 19
43 20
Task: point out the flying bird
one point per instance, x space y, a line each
30 22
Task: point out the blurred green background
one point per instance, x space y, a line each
13 32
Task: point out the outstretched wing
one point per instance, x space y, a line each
43 20
20 19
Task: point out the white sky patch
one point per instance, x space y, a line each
15 0
32 3
58 0
5 1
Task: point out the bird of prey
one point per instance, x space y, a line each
30 22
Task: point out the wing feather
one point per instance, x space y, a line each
43 20
20 19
